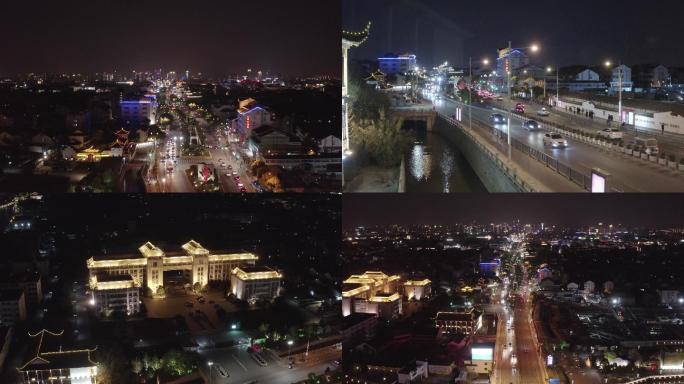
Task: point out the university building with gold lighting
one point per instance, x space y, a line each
377 293
116 279
255 282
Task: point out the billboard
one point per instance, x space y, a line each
482 353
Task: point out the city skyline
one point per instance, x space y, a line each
568 34
86 37
553 209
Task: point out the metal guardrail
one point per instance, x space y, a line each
577 177
510 173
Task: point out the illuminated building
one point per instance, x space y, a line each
372 292
490 268
116 293
349 40
251 115
393 64
465 322
92 154
139 112
49 361
12 306
120 142
417 289
147 268
252 283
482 358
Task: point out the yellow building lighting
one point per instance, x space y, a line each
176 260
194 248
261 275
417 283
109 285
150 250
355 291
233 257
386 299
120 263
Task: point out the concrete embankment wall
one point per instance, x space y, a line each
493 177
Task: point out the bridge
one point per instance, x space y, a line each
428 114
543 168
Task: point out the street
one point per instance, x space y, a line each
627 175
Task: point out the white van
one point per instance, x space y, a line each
650 146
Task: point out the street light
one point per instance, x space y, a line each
470 89
289 348
211 365
608 64
533 48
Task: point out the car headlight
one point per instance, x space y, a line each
554 144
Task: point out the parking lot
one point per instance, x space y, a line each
200 316
242 368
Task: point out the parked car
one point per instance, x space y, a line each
650 145
555 140
610 133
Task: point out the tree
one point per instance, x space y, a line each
137 366
367 102
382 138
112 366
197 287
263 328
177 363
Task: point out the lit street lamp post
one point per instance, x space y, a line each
470 89
211 366
619 90
533 48
289 348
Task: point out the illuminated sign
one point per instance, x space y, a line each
458 114
598 183
549 360
248 122
482 353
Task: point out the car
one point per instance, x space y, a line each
610 133
543 112
497 118
555 140
240 185
531 125
243 189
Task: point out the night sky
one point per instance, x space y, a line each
289 38
655 210
578 32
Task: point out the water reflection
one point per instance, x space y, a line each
421 162
447 166
434 165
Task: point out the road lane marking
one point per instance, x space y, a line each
239 362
